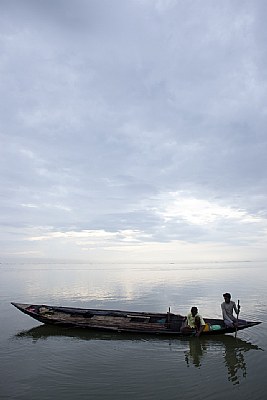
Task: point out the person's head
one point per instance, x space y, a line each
227 297
194 311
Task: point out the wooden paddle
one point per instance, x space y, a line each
238 310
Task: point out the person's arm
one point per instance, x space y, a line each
200 330
187 320
202 325
223 311
235 308
202 322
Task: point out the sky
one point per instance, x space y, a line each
133 130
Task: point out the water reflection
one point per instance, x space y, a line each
198 351
43 332
232 350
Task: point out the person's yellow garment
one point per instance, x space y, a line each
191 320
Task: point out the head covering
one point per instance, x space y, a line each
226 295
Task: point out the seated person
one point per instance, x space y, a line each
194 323
228 308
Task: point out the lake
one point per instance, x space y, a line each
42 362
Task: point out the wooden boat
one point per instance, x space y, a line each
121 321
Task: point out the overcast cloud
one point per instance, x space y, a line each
133 130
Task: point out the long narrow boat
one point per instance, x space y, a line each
121 321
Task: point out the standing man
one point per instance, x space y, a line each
228 309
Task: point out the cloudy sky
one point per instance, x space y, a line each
133 130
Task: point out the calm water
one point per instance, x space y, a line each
39 362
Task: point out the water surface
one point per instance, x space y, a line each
42 362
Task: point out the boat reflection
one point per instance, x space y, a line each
45 331
232 349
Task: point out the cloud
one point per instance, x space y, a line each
140 116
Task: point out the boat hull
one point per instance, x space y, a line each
121 321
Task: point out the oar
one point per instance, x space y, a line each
168 318
238 310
